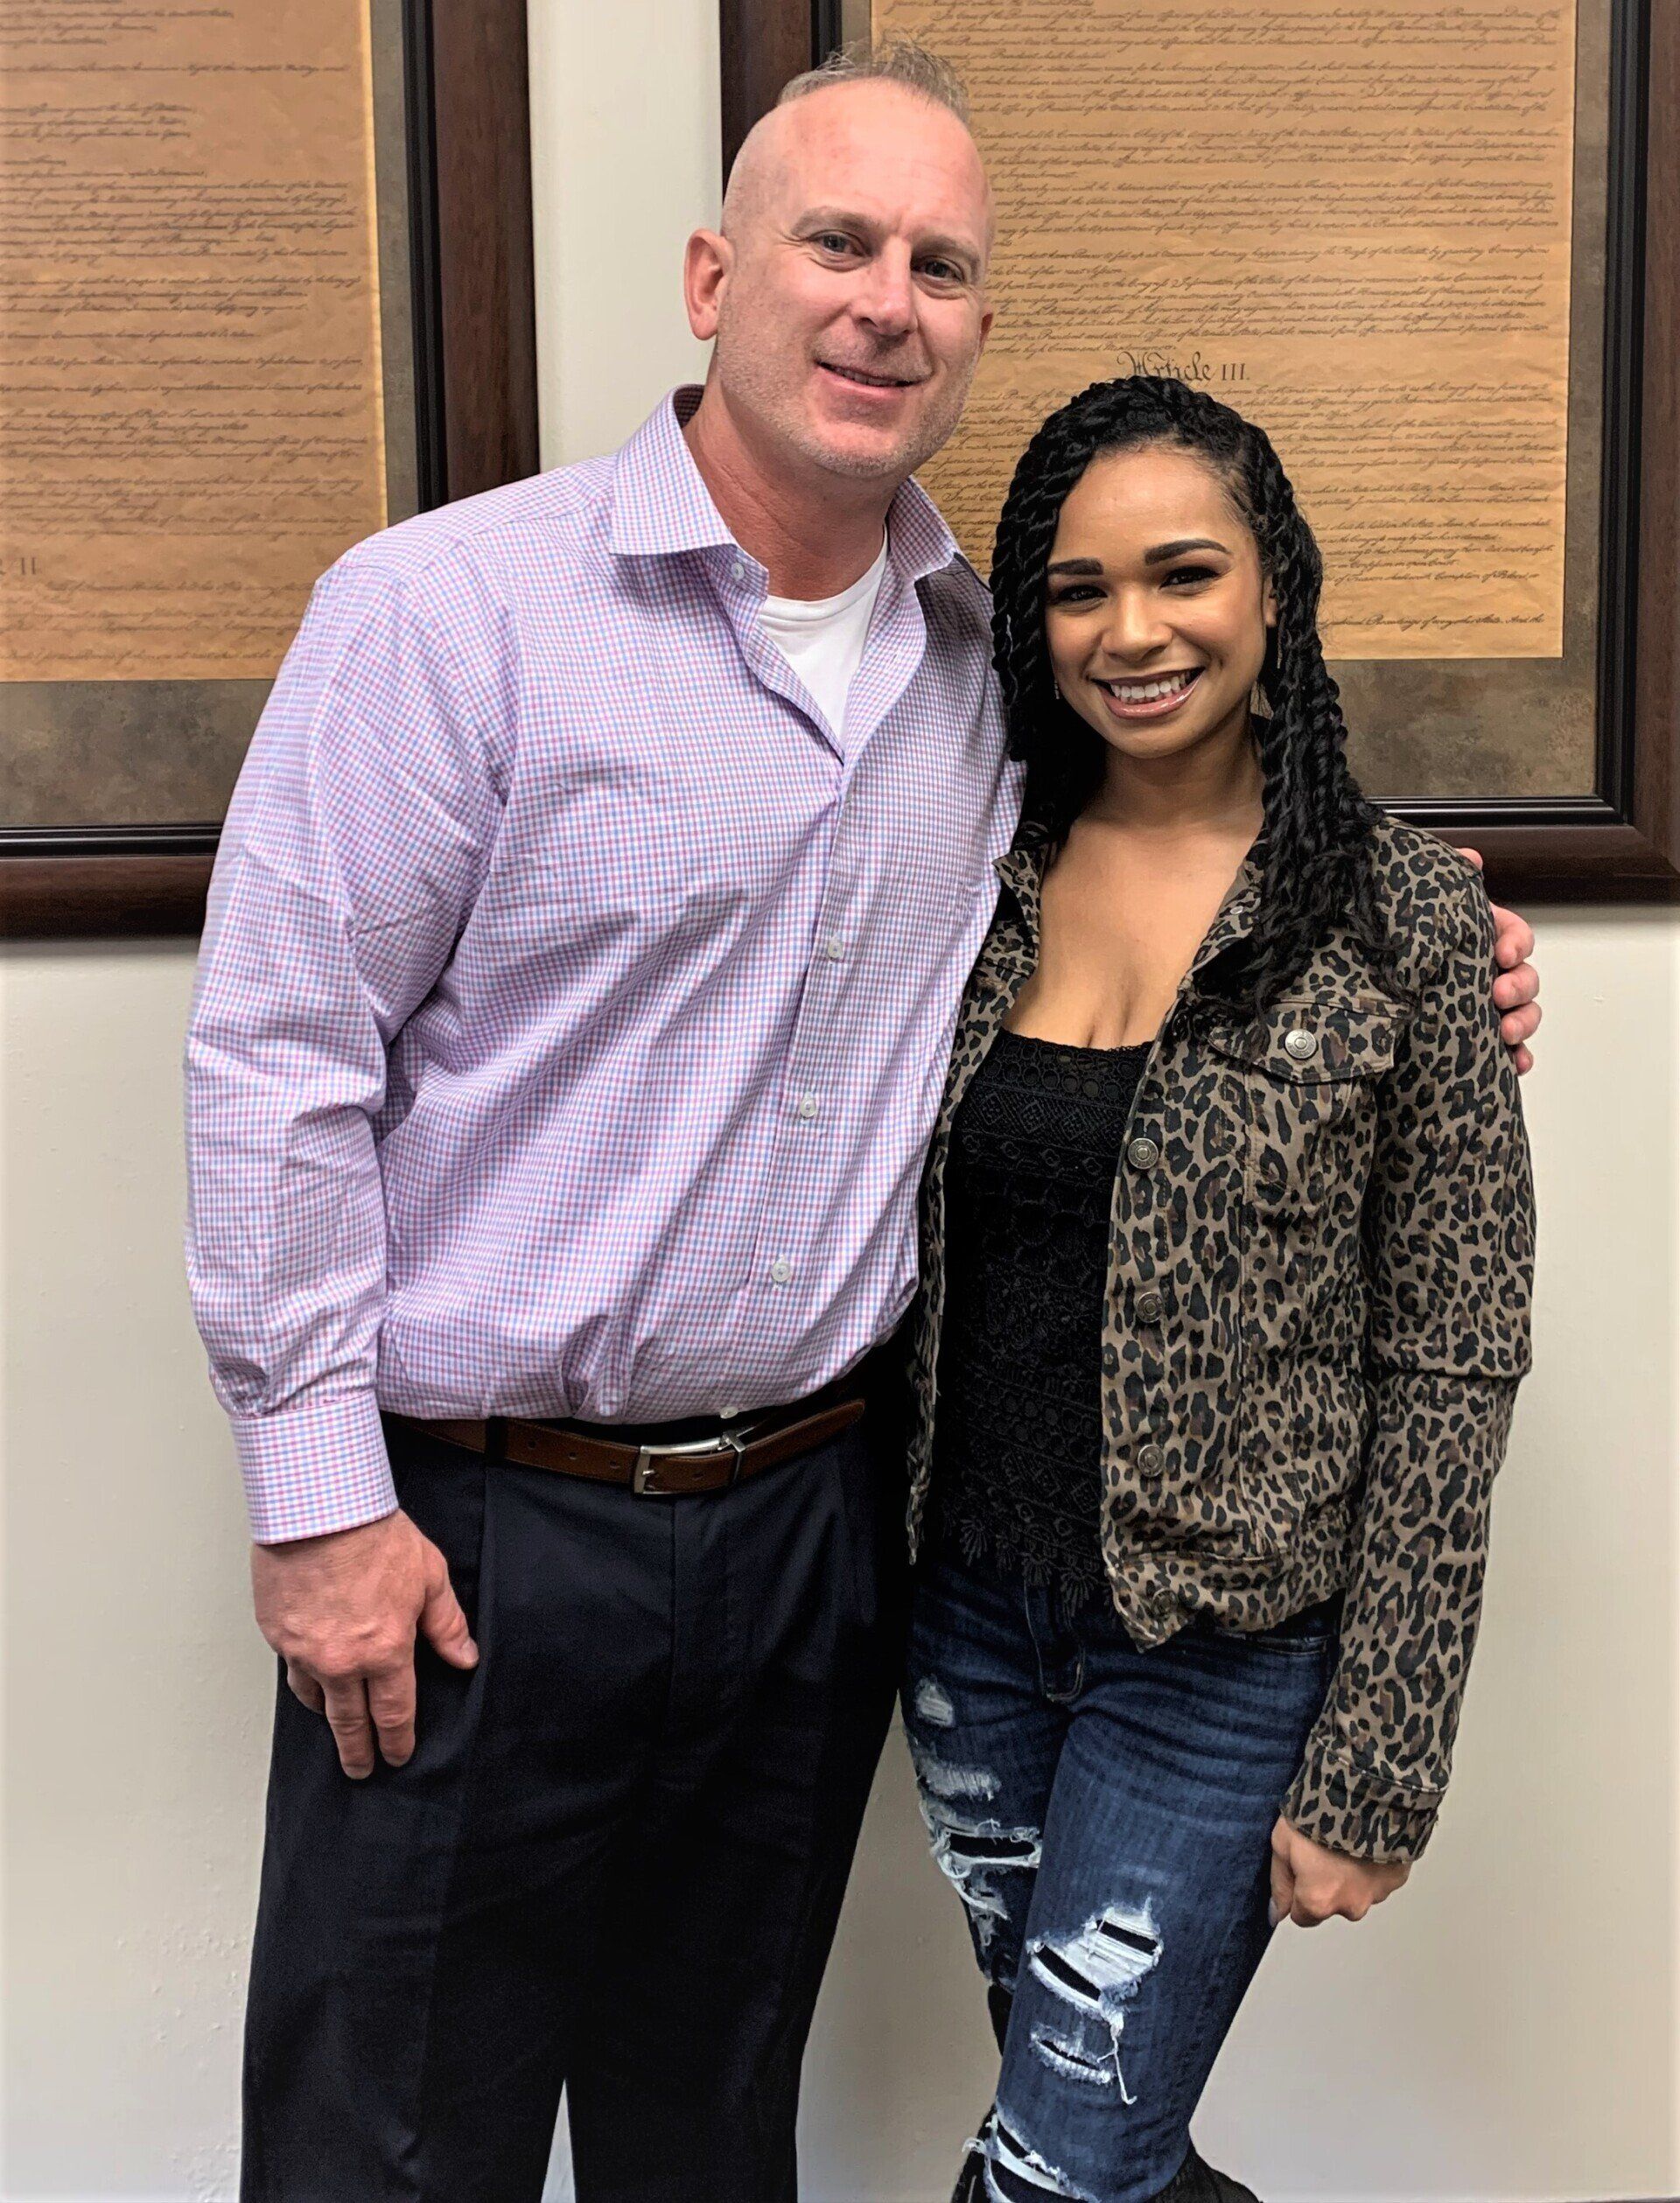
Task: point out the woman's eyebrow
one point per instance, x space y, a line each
1177 551
1074 566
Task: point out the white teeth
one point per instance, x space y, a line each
1147 691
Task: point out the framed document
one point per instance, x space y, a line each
1432 251
266 287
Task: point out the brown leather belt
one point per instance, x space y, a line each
741 1449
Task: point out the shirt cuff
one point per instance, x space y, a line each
1363 1815
311 1469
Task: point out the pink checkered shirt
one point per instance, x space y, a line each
574 1005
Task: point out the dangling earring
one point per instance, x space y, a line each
1056 685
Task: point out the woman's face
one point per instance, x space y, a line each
1156 610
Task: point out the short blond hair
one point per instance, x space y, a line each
892 60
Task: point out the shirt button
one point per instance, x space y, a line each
738 572
781 1271
1151 1460
1143 1155
728 1413
1301 1044
1110 1363
1162 1602
834 948
1149 1308
808 1105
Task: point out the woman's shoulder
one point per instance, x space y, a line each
1432 900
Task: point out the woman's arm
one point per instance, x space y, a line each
1449 1241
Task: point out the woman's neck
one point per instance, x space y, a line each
1217 788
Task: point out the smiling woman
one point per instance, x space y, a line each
1168 620
1226 1243
1157 592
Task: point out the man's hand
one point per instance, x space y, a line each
342 1612
1518 982
1310 1884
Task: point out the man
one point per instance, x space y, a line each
583 955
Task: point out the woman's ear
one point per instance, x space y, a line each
1269 607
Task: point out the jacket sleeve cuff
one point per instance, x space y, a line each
317 1467
1364 1815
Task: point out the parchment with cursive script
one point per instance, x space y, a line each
191 406
1353 222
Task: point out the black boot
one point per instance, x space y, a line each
1195 2181
971 2181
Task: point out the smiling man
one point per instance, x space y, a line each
582 957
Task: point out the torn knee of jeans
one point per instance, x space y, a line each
941 1778
976 1855
1094 1974
1015 2172
932 1703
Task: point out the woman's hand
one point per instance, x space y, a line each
1310 1883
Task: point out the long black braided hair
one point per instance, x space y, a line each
1318 868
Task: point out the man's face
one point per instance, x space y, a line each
850 310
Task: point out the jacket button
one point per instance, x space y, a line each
1301 1044
1151 1460
1143 1155
1149 1308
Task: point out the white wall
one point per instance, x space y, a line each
1506 2028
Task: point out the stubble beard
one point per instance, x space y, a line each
748 376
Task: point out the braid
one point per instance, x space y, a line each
1318 863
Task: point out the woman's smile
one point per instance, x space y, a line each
1156 697
1157 610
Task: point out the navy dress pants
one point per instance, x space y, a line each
615 1861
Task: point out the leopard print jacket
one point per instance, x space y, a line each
1316 1314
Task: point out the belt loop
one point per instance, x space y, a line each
495 1437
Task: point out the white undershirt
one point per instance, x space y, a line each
823 638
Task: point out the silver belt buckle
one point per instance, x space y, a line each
644 1483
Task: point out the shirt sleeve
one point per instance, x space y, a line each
1449 1250
354 850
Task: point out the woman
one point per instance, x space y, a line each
1226 1263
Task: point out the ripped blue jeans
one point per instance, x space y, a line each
1105 1814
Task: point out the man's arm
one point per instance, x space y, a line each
354 851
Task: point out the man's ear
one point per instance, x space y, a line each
707 260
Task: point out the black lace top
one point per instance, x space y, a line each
1028 1185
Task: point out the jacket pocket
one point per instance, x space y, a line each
1304 1082
1305 1076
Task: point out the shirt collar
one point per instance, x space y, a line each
660 505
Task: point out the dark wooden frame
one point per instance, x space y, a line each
475 389
1622 842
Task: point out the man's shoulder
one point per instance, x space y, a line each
957 592
557 516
